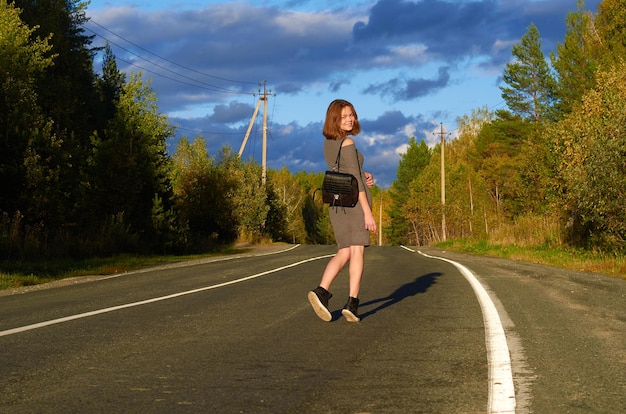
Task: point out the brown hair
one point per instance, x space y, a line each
332 125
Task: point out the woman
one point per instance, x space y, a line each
351 225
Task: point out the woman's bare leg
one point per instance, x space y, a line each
356 269
334 266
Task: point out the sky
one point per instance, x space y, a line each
410 68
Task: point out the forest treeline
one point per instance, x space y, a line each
548 171
84 169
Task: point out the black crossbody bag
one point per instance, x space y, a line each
340 189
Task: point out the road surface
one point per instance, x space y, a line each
237 335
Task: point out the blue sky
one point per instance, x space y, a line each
407 66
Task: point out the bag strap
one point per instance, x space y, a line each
336 166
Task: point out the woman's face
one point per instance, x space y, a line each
347 119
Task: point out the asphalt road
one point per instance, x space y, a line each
238 336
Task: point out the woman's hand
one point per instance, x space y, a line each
370 223
369 179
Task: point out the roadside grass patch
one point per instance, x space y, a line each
566 258
20 274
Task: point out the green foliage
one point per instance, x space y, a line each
24 58
250 205
411 165
89 173
286 218
531 86
422 209
223 201
109 89
66 94
591 143
203 195
491 177
129 162
498 157
525 178
87 161
314 214
610 24
43 160
575 62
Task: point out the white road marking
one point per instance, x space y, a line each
147 301
501 387
188 263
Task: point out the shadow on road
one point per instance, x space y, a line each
419 285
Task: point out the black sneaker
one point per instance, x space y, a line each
351 310
319 300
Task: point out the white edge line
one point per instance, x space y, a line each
147 301
501 387
187 263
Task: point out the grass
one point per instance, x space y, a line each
565 258
19 274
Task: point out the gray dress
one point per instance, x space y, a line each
348 222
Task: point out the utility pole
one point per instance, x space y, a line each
443 186
262 98
380 220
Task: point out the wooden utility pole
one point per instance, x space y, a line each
443 186
380 220
262 98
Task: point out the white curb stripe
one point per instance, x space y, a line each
501 387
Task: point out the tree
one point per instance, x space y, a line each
421 211
290 199
466 188
412 163
67 94
610 23
250 201
202 194
591 143
278 214
497 158
109 88
315 215
24 58
531 86
574 62
129 162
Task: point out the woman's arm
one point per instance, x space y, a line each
350 163
370 223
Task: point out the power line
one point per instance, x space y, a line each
209 86
165 59
501 103
212 88
206 132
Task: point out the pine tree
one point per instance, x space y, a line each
531 86
24 58
574 61
67 97
130 162
109 87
